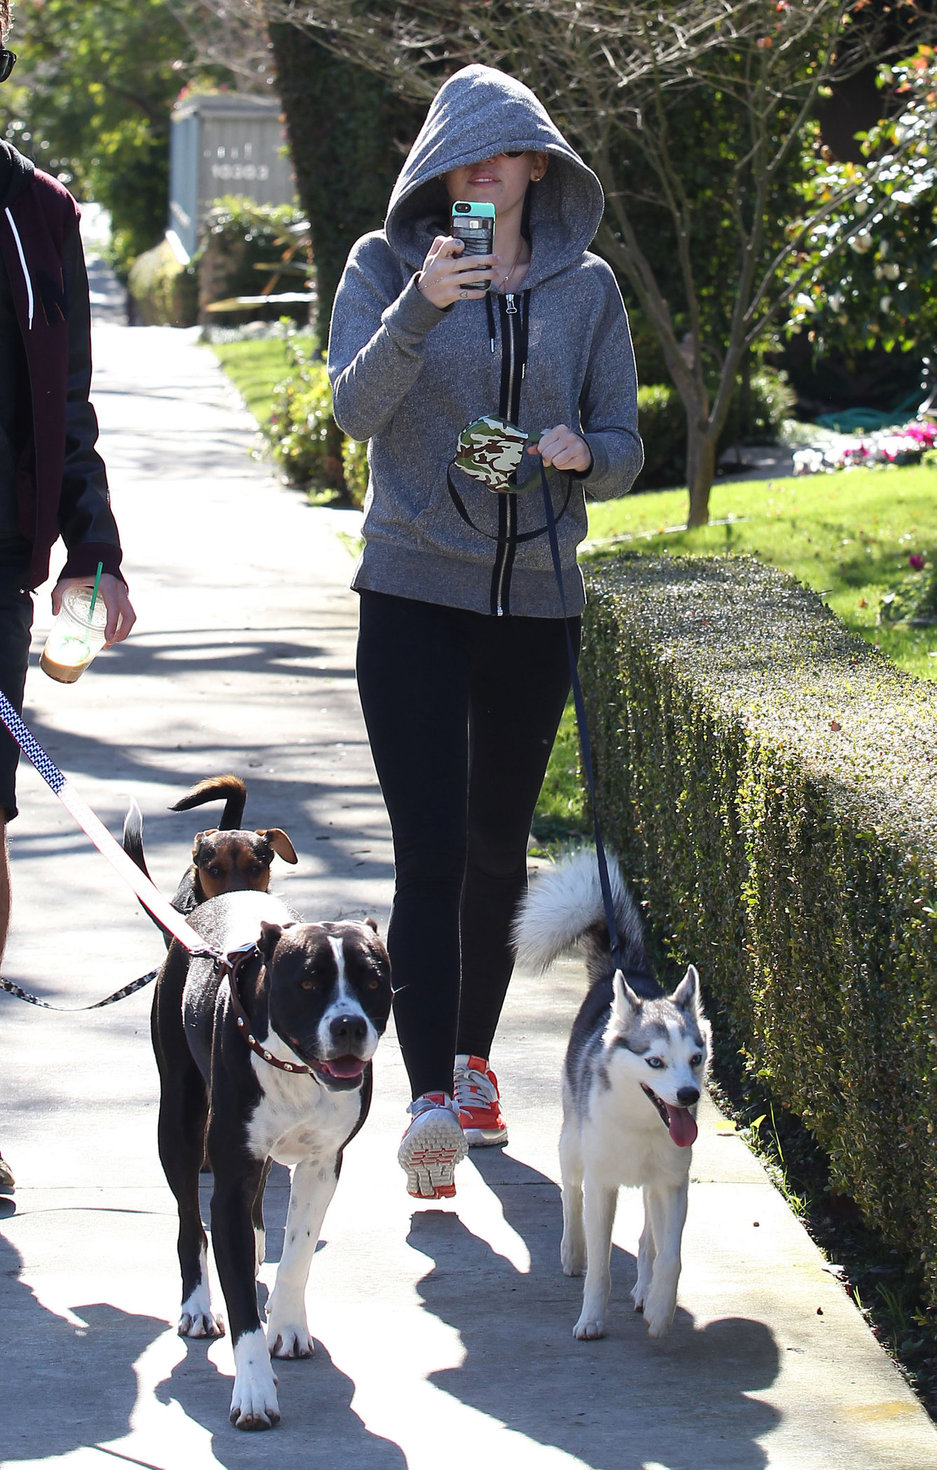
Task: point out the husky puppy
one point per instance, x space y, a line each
634 1068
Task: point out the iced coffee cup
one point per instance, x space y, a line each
76 635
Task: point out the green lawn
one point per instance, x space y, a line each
848 535
255 367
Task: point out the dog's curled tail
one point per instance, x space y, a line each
132 837
564 907
214 788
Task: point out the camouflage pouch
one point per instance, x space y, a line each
490 449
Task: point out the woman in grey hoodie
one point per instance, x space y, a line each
462 657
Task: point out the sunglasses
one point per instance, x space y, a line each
7 62
514 152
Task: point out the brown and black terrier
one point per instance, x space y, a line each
225 859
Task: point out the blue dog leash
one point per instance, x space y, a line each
578 701
149 895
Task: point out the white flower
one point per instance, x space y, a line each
884 305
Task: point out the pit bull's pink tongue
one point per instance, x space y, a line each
344 1066
683 1129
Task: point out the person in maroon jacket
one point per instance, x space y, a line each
52 479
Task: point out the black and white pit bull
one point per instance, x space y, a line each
266 1060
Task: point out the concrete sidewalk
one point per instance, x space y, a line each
444 1333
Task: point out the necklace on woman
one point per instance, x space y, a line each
520 250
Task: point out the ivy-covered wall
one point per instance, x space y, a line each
770 782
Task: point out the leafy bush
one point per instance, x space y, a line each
300 426
662 425
355 467
755 415
768 779
248 249
164 292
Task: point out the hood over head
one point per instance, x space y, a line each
478 113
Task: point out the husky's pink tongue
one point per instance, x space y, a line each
683 1129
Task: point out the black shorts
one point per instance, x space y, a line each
16 619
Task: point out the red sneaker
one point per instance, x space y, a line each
432 1146
475 1090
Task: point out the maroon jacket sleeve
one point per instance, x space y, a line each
61 480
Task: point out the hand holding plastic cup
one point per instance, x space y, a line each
76 635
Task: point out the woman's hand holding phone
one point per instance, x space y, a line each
447 278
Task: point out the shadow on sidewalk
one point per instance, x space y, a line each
618 1404
43 1350
314 1396
315 1402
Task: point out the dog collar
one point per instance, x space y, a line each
233 964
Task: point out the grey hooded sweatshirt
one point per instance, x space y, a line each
408 377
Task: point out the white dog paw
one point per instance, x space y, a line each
200 1324
658 1326
573 1261
254 1399
196 1318
587 1329
658 1314
289 1341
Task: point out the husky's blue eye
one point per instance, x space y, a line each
654 1062
696 1060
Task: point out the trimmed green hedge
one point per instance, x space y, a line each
164 291
770 781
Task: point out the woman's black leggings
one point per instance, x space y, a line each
462 710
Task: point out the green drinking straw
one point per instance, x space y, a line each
94 594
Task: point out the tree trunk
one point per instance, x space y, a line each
700 470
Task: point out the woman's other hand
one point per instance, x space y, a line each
564 450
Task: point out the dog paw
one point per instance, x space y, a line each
587 1329
290 1342
573 1261
200 1324
658 1314
250 1415
254 1398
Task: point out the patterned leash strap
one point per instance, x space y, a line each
149 895
121 994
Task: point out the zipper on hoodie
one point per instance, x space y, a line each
513 323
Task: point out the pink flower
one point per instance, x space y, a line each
916 561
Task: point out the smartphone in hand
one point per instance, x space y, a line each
474 224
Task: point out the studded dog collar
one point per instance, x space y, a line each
233 964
